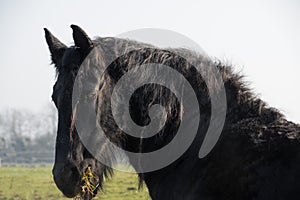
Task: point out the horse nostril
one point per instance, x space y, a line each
70 173
75 173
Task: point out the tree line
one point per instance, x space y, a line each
27 137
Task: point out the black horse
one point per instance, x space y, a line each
256 157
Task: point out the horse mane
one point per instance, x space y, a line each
246 112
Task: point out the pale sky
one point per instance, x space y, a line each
260 38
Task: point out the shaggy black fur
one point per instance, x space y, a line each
256 157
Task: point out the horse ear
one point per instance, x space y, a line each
56 47
81 39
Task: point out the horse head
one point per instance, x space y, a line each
72 159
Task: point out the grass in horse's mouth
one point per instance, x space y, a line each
88 186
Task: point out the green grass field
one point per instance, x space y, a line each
18 183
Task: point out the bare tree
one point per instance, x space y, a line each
28 136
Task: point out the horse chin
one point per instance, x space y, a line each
87 196
71 192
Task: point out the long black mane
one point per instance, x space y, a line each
262 136
256 157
